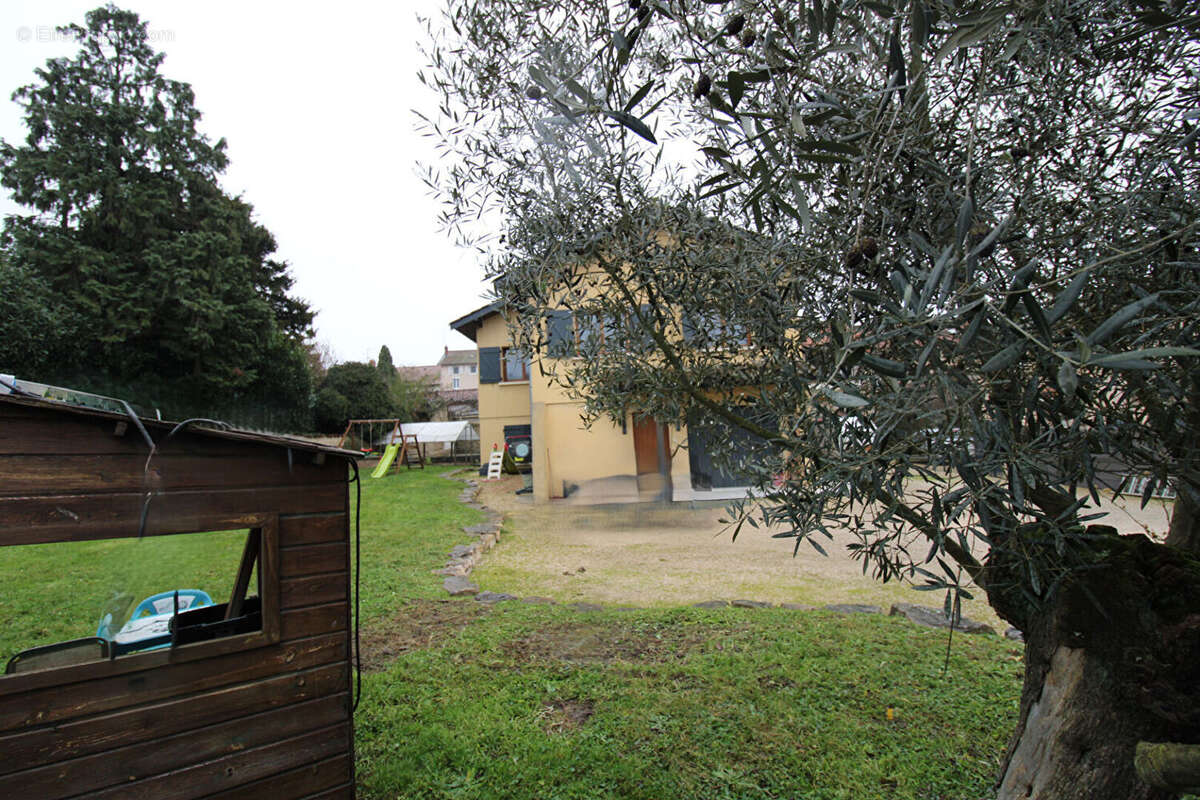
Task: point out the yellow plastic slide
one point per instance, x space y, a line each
389 455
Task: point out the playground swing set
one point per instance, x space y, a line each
402 448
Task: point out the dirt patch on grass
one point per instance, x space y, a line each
596 643
565 716
419 624
677 555
646 555
775 682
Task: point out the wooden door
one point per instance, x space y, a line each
650 445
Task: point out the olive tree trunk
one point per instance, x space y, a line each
1115 660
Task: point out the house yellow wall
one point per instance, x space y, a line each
572 456
599 461
575 456
500 404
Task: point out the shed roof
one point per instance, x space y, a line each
158 429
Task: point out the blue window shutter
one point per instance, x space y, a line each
489 365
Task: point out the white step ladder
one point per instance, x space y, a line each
495 464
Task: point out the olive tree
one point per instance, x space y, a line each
931 275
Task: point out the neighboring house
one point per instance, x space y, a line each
639 459
455 383
459 370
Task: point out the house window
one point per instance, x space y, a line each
134 603
711 329
514 364
456 379
455 370
1136 485
472 369
588 330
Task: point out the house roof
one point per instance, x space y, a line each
453 358
158 430
425 373
468 325
459 395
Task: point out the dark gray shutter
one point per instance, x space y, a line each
489 365
689 328
561 334
644 340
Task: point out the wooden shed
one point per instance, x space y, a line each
248 698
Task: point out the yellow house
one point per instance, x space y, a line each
637 461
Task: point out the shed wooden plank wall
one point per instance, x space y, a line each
272 721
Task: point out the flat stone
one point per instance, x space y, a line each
480 529
587 606
1014 634
457 586
936 618
454 569
488 540
463 551
797 606
750 604
468 562
711 604
539 601
494 597
853 608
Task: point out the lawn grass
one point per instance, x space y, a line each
549 702
410 521
535 701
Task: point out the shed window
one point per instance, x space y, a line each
71 604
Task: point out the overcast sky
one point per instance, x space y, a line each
315 101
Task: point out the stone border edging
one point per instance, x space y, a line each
464 557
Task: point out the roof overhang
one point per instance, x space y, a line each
469 325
